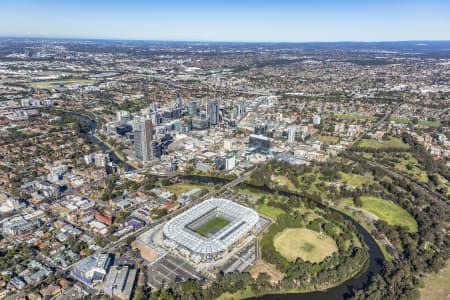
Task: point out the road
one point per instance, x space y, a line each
425 189
377 125
111 247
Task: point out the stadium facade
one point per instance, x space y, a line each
186 232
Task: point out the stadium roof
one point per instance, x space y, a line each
243 219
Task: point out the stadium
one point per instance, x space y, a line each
210 229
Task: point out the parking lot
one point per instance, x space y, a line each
242 260
170 269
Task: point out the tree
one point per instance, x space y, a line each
357 201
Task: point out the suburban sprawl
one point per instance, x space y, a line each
183 170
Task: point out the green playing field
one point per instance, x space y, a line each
211 226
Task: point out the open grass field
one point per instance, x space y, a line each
328 139
421 122
304 243
355 179
401 121
283 180
183 187
385 210
247 293
437 285
411 166
212 226
272 212
392 142
52 84
355 117
429 123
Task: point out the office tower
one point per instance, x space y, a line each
155 118
316 119
179 101
142 140
155 149
291 134
236 111
212 111
193 108
123 116
259 142
260 129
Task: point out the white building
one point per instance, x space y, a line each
291 134
230 163
92 269
227 145
316 119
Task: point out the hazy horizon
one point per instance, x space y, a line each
284 21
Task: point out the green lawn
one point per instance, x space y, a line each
272 212
414 168
212 226
283 180
437 285
305 243
421 122
392 142
328 139
355 179
429 123
386 210
247 293
183 187
354 117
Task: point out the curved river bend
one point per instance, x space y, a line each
342 291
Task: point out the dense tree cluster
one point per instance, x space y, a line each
306 275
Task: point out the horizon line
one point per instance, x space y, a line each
212 41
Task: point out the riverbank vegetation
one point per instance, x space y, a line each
413 232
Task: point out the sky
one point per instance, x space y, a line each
232 20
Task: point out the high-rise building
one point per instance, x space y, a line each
259 142
291 134
142 140
123 116
230 163
212 111
179 101
239 109
260 129
193 108
316 119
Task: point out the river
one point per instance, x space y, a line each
342 291
93 124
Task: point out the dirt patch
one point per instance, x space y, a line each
263 267
147 252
